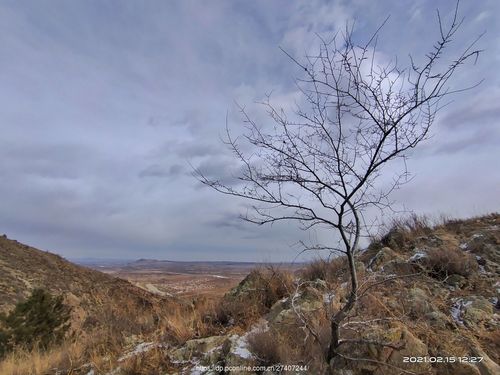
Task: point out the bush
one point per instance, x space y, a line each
292 345
252 298
267 347
443 262
402 230
38 322
327 270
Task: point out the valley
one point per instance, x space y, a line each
184 279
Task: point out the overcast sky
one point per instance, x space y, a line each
104 105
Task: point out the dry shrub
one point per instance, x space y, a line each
251 299
470 225
266 346
184 321
444 261
401 231
292 345
327 270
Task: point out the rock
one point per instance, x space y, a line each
437 319
207 347
309 300
456 281
385 255
285 317
239 355
472 310
418 302
248 285
398 336
277 308
399 267
411 346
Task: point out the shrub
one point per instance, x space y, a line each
326 270
442 262
402 230
38 322
267 347
252 298
292 345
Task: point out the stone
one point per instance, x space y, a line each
437 319
456 281
398 336
472 310
418 302
199 348
384 255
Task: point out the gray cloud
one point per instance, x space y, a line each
156 170
104 106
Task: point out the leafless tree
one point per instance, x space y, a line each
319 165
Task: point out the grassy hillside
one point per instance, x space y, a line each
24 268
429 291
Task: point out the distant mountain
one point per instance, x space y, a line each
202 267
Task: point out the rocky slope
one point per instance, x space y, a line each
429 305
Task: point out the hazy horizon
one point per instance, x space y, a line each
104 107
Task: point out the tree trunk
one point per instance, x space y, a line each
339 317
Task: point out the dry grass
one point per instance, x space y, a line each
21 362
292 345
443 262
253 297
328 270
104 338
148 363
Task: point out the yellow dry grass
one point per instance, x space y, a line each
22 362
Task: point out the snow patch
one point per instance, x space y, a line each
328 297
457 308
241 348
240 343
481 267
418 255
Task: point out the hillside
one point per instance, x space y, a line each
429 304
95 297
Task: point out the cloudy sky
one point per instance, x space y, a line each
105 104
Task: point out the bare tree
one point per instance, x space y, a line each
319 165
